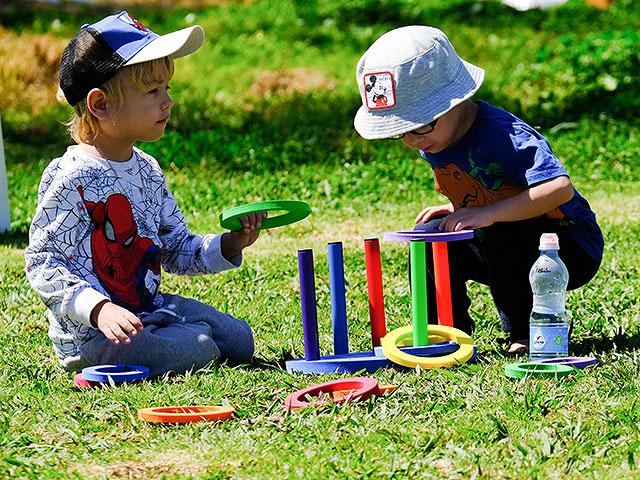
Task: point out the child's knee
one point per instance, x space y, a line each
195 354
241 348
204 351
431 224
246 346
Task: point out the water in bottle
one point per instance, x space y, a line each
549 322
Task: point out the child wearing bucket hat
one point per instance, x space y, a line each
106 221
499 174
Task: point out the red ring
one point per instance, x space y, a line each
359 388
80 382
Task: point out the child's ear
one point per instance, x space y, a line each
97 102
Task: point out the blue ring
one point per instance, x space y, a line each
117 373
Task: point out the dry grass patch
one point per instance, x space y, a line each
29 66
288 82
128 4
176 465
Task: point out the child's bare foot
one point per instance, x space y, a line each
519 347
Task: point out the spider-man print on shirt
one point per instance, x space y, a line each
127 265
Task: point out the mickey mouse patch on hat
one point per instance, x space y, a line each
379 90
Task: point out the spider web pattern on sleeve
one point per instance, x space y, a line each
59 263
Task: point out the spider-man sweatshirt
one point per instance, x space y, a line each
103 230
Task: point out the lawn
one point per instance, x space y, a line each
264 111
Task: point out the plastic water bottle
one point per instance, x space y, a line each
549 322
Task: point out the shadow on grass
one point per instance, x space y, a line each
604 345
15 238
261 363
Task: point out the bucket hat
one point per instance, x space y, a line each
98 51
409 77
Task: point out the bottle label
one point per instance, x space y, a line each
548 340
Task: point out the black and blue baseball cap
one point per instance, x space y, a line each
99 50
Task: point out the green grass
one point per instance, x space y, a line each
225 149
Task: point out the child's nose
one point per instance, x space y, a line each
411 141
168 101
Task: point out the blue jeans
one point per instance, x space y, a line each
183 335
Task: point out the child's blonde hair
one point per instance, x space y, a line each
83 126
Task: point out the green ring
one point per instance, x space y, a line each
521 370
295 211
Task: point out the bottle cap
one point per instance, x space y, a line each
549 241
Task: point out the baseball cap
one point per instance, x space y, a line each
99 50
409 77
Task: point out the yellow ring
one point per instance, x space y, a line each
404 336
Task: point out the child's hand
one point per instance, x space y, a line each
469 217
116 322
233 242
426 214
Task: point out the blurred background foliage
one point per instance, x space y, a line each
274 83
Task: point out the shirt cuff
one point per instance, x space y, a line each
213 255
83 303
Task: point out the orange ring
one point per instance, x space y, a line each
185 414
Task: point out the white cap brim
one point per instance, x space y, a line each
175 44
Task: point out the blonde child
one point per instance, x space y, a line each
106 222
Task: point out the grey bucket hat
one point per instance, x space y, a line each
409 77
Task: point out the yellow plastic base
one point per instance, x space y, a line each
404 336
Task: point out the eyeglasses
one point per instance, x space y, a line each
429 127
